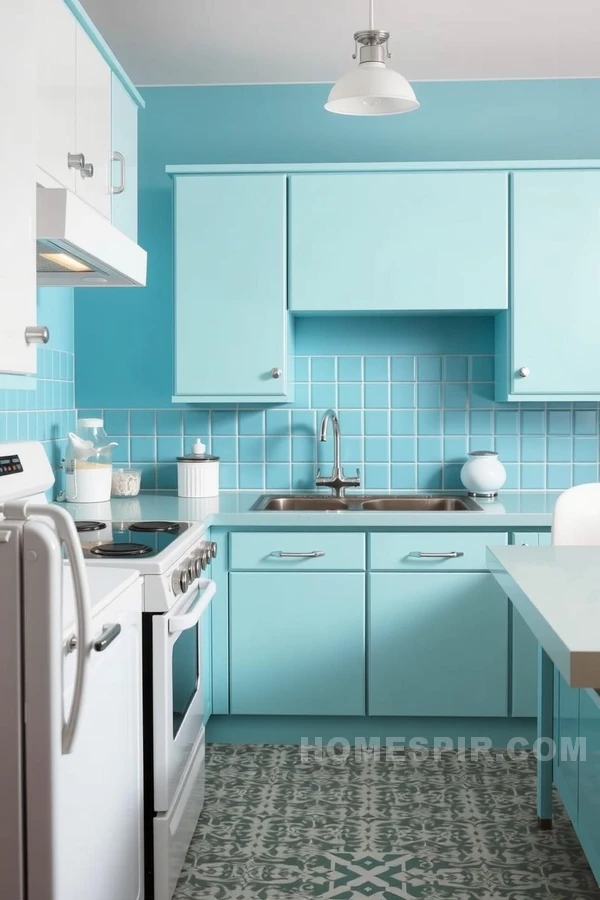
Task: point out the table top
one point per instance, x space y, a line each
557 591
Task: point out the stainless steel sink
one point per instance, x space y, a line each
367 503
295 504
422 504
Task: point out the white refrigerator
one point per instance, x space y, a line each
70 703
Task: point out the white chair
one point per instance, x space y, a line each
576 519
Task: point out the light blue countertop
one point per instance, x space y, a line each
233 509
557 591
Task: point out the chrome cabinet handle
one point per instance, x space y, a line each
524 371
118 157
276 373
109 634
283 554
452 554
37 334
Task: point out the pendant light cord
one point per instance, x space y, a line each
372 15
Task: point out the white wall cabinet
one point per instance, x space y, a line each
93 108
17 186
56 135
73 107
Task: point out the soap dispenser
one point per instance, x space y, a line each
198 473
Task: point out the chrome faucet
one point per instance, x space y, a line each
337 481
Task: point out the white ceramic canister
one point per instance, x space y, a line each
198 473
483 474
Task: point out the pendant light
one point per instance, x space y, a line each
371 89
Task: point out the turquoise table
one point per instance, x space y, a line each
557 592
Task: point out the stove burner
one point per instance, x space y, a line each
117 550
90 526
171 527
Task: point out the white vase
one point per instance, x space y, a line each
483 474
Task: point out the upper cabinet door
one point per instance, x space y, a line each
406 241
93 106
230 288
556 284
124 171
56 80
17 188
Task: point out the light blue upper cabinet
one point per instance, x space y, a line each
398 242
231 321
438 645
547 346
297 643
124 165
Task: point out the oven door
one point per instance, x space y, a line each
177 689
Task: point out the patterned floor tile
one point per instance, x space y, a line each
278 827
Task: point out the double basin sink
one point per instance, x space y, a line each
370 503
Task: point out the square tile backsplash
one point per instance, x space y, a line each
46 413
407 423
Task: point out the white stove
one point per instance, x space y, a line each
170 555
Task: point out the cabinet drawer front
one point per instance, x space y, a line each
457 550
336 551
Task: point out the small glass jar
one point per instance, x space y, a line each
483 474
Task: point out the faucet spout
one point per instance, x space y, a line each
338 481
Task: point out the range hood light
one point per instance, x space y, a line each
66 261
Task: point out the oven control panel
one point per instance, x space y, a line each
192 568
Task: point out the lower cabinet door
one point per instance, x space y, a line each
525 646
566 732
589 778
438 645
297 643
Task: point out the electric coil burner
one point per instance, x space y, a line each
170 527
121 550
90 526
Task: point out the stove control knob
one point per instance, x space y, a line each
184 580
191 568
198 566
176 582
212 549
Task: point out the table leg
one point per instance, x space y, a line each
545 725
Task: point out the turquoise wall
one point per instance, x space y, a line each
48 412
128 332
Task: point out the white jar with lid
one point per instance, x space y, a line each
483 474
198 473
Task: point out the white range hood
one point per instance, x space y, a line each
78 247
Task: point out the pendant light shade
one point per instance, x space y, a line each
371 89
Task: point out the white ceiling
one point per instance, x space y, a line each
263 41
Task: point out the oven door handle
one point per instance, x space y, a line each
191 617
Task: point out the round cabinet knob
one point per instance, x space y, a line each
524 371
37 334
276 373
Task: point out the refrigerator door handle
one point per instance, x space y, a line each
67 534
